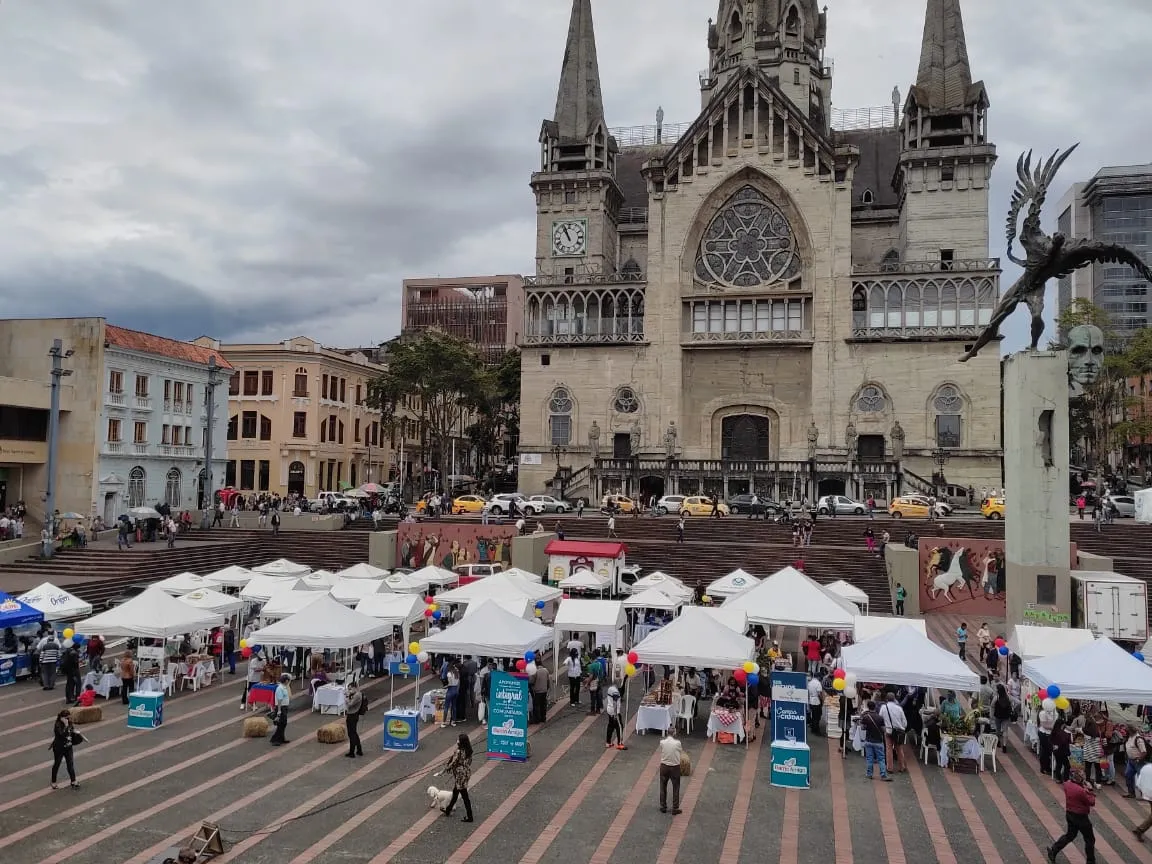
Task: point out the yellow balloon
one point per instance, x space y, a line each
413 647
706 599
69 633
838 684
243 643
629 670
749 667
539 612
435 607
1062 703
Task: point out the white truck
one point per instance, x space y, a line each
1110 605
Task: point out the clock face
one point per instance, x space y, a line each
570 237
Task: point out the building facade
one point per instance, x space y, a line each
758 300
1115 206
486 311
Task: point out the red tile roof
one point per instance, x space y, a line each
590 548
174 349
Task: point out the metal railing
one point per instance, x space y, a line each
738 467
895 268
553 280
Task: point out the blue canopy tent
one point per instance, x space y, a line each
13 613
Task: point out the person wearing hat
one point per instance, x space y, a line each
283 698
1079 799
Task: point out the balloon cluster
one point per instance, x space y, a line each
1051 699
1001 647
431 610
72 638
630 667
527 664
538 609
247 649
844 682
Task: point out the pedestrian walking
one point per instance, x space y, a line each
282 700
870 540
356 708
962 640
670 752
1144 790
901 596
460 766
1079 799
680 529
874 742
127 676
612 526
613 711
1136 753
575 674
64 739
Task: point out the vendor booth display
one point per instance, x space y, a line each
182 583
508 717
850 593
736 582
1100 671
261 587
790 598
323 624
791 755
735 620
653 580
393 610
352 591
584 581
904 657
213 601
282 567
653 598
699 641
606 618
1031 643
521 607
231 576
499 586
145 710
17 614
154 614
867 627
490 631
56 603
402 730
437 576
406 583
362 571
286 603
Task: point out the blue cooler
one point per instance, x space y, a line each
145 710
402 730
791 764
7 669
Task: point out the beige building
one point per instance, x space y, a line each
297 421
764 299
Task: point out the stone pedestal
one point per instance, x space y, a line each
528 552
382 549
1037 528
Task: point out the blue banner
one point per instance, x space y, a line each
508 717
402 730
789 707
404 670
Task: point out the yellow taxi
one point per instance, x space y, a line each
621 502
992 508
468 504
908 507
698 505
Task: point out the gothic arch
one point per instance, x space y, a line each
560 403
723 418
870 402
626 402
948 400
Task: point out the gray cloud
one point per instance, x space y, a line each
262 170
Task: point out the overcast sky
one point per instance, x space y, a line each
270 168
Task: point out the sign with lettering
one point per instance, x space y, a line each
508 717
789 707
1047 618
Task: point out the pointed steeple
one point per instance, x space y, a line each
945 78
579 104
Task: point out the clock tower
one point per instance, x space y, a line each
577 197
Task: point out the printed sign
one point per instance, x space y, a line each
9 606
1047 618
789 707
404 670
791 765
401 731
508 717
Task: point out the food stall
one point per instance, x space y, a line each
15 616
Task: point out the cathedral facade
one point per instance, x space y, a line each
762 302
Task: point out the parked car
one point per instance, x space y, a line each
471 572
1125 505
701 505
545 504
753 504
468 504
843 506
992 508
621 503
669 504
917 507
498 505
953 494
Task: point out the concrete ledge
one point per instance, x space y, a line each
903 566
1097 563
288 522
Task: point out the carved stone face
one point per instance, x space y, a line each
1085 356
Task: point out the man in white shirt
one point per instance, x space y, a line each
670 752
1144 792
895 729
815 704
1044 723
255 676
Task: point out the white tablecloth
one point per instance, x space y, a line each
658 717
735 728
102 684
428 704
330 699
642 631
155 684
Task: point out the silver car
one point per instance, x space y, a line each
843 506
1125 505
545 504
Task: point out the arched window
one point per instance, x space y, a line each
871 400
300 384
626 401
296 478
877 302
136 487
735 28
748 243
560 408
172 488
867 197
792 23
948 406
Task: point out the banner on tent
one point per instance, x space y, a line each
789 706
508 717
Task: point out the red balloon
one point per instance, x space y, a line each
521 665
740 675
1043 694
633 657
245 652
428 613
429 599
839 673
1000 643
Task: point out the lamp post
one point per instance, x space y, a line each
940 456
48 536
558 480
210 499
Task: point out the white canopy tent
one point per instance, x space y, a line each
182 583
232 576
696 640
490 631
362 571
56 603
436 576
790 598
317 580
262 587
652 580
905 657
1029 642
675 589
870 626
736 582
523 574
499 585
521 607
352 591
405 583
584 580
652 598
735 620
395 610
1101 671
213 601
283 567
286 603
850 593
587 616
323 624
154 614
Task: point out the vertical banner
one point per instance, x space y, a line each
789 707
508 717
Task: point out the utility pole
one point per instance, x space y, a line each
58 355
209 497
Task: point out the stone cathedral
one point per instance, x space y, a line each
763 300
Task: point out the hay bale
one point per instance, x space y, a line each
256 727
685 765
331 733
91 714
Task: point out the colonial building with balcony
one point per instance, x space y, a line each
774 296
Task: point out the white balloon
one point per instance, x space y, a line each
850 679
530 668
1048 705
850 692
66 644
756 671
422 656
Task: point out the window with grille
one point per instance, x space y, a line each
300 424
266 383
248 424
300 382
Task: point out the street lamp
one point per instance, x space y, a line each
940 456
58 355
210 500
558 480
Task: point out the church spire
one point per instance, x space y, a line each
579 104
945 77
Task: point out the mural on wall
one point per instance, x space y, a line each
447 545
964 576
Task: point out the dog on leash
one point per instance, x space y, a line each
439 797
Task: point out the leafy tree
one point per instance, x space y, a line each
498 412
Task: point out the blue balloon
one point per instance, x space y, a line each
1137 655
1053 691
436 615
753 679
253 648
1003 649
411 659
529 656
78 638
539 604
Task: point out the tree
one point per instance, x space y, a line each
498 414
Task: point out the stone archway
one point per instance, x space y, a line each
745 438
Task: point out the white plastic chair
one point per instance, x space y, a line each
191 676
687 712
988 744
925 747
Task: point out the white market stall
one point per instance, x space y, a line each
1029 642
490 631
675 589
262 586
521 607
232 576
324 624
850 593
653 580
284 604
606 618
653 598
317 580
362 571
154 614
352 591
405 583
905 657
182 583
283 567
437 576
584 580
1101 671
868 627
499 585
523 574
212 601
789 598
735 620
736 582
395 610
56 603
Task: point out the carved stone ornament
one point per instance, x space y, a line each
747 244
897 435
594 439
1085 357
634 438
670 440
813 439
850 439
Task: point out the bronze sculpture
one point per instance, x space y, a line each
1047 257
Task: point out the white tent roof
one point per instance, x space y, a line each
523 574
232 576
323 624
848 591
696 640
790 598
499 585
352 591
213 601
317 580
184 582
734 583
870 626
594 616
1100 670
283 567
362 571
263 586
675 589
396 609
652 580
521 607
285 603
735 620
903 656
583 579
653 598
405 583
1032 643
155 614
437 575
56 603
490 631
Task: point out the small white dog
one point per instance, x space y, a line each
439 797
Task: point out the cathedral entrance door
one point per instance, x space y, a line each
745 438
831 486
651 487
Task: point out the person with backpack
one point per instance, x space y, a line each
613 710
596 683
357 707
